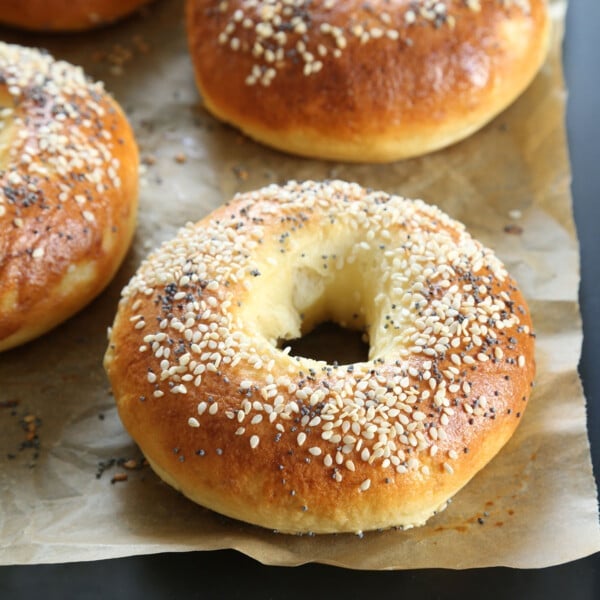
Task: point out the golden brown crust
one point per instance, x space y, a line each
295 444
68 192
64 15
398 86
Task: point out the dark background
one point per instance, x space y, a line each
228 574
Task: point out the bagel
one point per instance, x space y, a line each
64 15
68 191
240 426
367 82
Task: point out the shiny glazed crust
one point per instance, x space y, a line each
64 15
228 417
68 191
356 81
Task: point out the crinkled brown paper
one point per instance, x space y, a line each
537 499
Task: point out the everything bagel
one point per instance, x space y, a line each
68 191
225 415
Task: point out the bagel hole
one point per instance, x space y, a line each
330 342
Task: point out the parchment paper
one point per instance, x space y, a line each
533 506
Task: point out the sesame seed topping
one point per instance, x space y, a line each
444 320
291 34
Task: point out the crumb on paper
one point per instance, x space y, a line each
30 424
130 464
240 172
119 55
9 403
141 45
513 229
